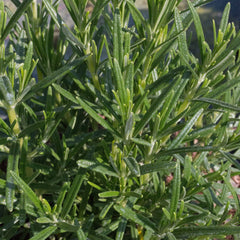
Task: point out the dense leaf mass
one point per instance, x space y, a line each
112 130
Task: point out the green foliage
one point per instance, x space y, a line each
115 130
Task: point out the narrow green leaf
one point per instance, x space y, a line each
44 220
129 126
233 192
29 56
230 159
171 236
222 63
210 231
105 210
137 17
73 10
140 60
163 80
141 142
97 11
96 116
2 183
186 150
172 98
45 233
67 226
72 38
119 81
162 50
32 128
81 235
182 39
121 229
12 166
65 93
117 38
199 29
166 213
19 12
23 199
72 193
132 165
197 209
4 127
6 91
165 10
95 186
225 18
132 194
49 100
129 78
51 78
213 197
187 167
217 92
156 167
155 106
61 197
97 167
201 132
52 12
175 190
109 194
108 104
185 130
29 192
193 218
51 127
225 214
46 206
128 213
224 87
234 43
168 105
148 234
218 103
108 228
25 91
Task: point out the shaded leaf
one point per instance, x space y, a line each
156 167
97 167
175 190
218 103
193 232
132 165
135 217
29 192
45 233
11 167
72 193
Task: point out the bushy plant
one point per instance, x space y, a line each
123 132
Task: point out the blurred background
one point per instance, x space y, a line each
212 10
209 11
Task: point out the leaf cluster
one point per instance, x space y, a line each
114 129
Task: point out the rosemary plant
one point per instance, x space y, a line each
115 130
